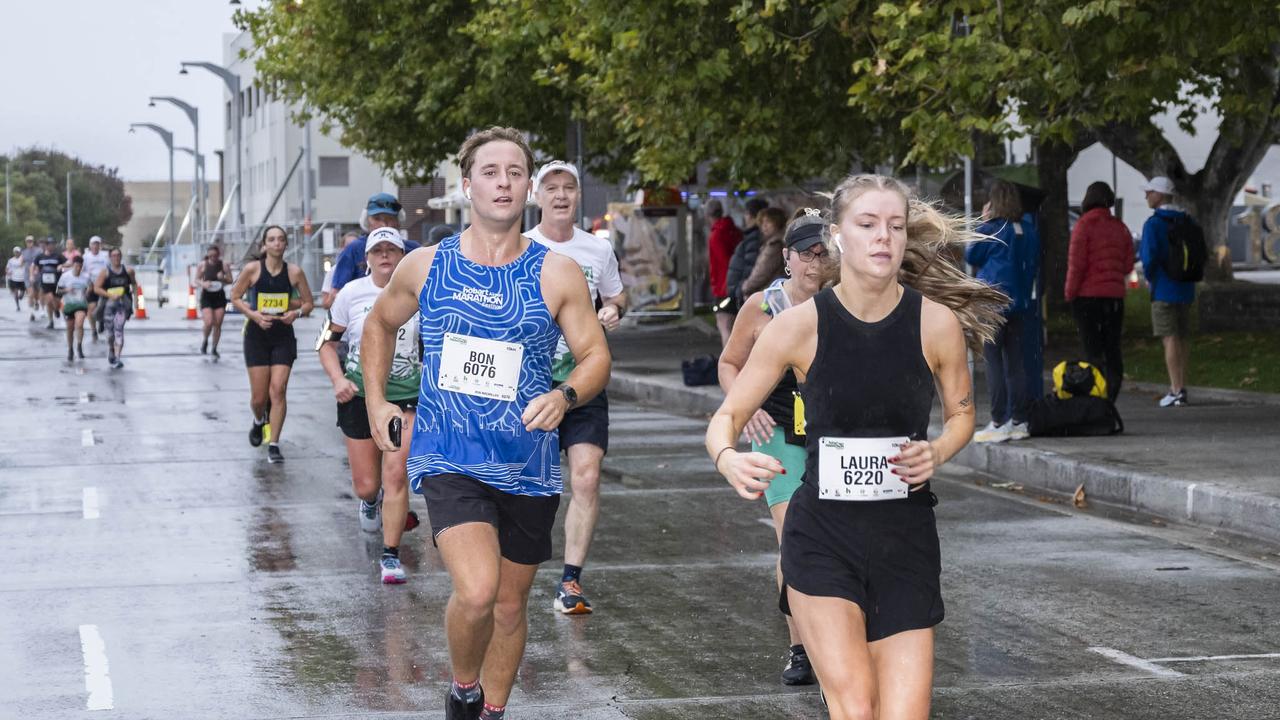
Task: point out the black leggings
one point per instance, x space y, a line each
1101 324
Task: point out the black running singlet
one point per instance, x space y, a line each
867 380
212 270
271 295
119 280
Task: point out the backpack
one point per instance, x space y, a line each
700 370
1052 416
1188 253
1076 378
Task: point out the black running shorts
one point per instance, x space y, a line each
524 522
216 300
881 556
353 417
587 423
17 285
274 348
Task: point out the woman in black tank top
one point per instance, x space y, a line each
860 556
213 276
271 294
116 285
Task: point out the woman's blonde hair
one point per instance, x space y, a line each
932 261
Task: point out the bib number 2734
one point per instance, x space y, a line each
858 469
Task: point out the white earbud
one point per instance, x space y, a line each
467 193
835 240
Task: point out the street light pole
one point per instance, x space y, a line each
197 186
194 116
232 81
168 141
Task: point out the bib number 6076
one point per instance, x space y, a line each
863 477
479 370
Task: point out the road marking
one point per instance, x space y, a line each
766 521
96 681
84 397
90 503
1191 489
1135 662
86 437
1210 658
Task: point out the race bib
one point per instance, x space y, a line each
75 295
407 340
214 286
858 469
273 303
48 278
480 367
115 292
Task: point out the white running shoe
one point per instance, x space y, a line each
1018 431
371 515
392 570
992 433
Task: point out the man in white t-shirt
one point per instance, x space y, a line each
95 261
584 432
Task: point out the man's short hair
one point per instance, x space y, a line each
467 153
755 205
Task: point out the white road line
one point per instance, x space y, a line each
90 503
86 437
765 521
1191 489
96 680
1135 662
1209 658
84 397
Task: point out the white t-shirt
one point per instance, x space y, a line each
350 308
95 264
75 288
327 284
15 270
600 266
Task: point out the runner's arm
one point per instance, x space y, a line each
200 281
299 280
784 342
945 351
133 298
394 307
734 356
248 276
563 280
613 294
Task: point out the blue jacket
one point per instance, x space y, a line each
351 264
1153 251
1010 263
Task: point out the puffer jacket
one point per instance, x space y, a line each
1100 257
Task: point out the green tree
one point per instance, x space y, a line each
99 205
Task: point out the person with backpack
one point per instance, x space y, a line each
1100 257
1172 252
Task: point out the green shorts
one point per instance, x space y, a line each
792 458
1170 319
70 309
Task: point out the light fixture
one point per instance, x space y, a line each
151 104
183 71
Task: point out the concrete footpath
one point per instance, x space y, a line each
1214 463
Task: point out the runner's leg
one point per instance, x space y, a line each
778 513
79 322
278 387
365 471
836 640
904 695
471 555
259 397
218 315
395 490
206 320
510 631
71 327
584 506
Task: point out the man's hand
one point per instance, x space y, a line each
609 317
344 390
380 415
545 411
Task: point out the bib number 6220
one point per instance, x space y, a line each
863 477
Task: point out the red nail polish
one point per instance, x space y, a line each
784 471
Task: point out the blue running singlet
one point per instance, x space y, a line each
487 342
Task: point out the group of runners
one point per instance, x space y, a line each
93 286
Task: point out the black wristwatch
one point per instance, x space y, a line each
569 394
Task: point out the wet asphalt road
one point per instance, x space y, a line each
156 566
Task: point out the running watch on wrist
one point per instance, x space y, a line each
569 393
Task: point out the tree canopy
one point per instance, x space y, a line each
38 196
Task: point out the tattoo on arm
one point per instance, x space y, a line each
967 401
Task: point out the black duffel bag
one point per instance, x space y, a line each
1051 416
701 370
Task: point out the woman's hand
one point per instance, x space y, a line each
263 321
916 462
749 473
759 428
344 390
289 317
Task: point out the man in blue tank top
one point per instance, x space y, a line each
485 451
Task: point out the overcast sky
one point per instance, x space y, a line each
75 73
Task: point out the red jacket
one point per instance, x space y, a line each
1100 257
724 237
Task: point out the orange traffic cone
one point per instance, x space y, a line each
140 313
191 303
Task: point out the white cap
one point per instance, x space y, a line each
381 235
1160 184
95 239
554 166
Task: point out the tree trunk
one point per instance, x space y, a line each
1212 209
1055 159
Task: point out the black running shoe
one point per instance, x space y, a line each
204 347
255 433
71 355
465 706
273 454
798 670
80 350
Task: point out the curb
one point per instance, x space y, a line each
1205 504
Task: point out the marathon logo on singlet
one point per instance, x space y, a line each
488 298
858 469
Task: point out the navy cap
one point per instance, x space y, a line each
804 237
383 204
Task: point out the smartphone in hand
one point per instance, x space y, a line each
393 431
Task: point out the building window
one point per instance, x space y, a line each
334 172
